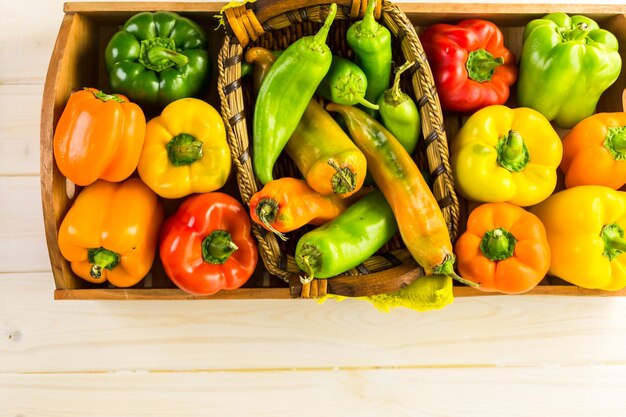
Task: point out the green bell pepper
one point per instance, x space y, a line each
565 66
158 58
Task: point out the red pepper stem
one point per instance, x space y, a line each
369 25
447 268
481 65
267 211
101 258
614 243
344 180
321 35
217 247
615 142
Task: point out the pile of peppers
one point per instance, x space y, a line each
350 130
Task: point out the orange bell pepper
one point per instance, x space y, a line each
504 249
111 231
99 136
594 151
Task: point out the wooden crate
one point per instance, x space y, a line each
77 62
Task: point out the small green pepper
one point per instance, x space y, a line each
371 43
158 58
345 83
348 240
284 95
399 113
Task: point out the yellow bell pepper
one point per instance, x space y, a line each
111 232
585 229
185 150
506 155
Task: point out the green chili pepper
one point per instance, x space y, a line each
158 58
345 83
348 240
371 43
399 113
285 94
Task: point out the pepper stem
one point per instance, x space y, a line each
308 258
481 65
512 152
362 101
217 247
320 37
267 211
158 54
100 259
498 244
344 180
615 142
184 149
310 274
579 33
107 97
394 95
447 268
614 243
369 25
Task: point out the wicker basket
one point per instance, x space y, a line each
275 25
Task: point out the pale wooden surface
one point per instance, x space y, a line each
480 357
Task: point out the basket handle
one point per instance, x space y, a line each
246 21
382 282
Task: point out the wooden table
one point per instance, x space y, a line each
482 356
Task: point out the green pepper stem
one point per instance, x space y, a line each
107 97
267 211
184 149
322 34
498 244
369 25
157 54
217 247
362 101
100 259
447 268
344 180
395 96
578 33
614 243
310 273
615 142
512 152
481 65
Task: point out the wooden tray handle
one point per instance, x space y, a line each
382 282
246 21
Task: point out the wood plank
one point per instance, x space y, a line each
38 334
19 138
545 392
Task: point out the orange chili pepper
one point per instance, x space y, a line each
505 249
594 151
111 232
286 204
99 136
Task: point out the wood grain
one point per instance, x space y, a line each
589 391
38 334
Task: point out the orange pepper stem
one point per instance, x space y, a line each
512 152
447 268
267 211
184 149
344 180
615 142
217 247
158 54
614 243
579 33
101 259
498 244
101 95
481 65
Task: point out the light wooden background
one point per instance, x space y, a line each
507 356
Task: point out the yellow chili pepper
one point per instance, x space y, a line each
506 155
185 150
111 231
585 228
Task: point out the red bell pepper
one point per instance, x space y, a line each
206 246
470 64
